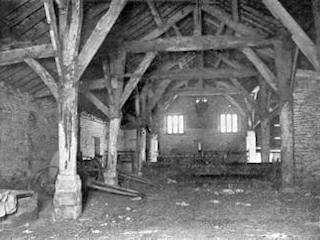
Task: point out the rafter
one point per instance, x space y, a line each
227 19
19 54
197 18
298 35
54 33
45 76
97 102
98 35
263 69
169 23
235 103
195 43
141 69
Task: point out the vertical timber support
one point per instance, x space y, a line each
153 148
67 199
143 130
115 89
136 164
265 122
283 66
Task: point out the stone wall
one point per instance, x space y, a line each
28 134
306 114
202 128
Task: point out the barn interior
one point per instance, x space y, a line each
159 119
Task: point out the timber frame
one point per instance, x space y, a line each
146 69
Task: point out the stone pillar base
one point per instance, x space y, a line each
110 178
67 201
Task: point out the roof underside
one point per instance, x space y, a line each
24 21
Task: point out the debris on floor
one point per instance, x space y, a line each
171 181
182 204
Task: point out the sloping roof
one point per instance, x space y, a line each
25 21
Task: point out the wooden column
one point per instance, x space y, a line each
136 164
67 199
283 66
265 122
115 89
153 147
316 17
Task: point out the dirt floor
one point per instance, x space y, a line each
184 207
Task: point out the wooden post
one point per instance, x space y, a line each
136 165
153 148
265 122
67 198
115 89
316 17
143 145
283 66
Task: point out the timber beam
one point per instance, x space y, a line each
19 54
195 43
205 73
97 102
46 77
298 35
97 36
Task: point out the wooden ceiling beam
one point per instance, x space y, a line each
235 103
262 68
170 22
19 54
197 19
227 19
306 45
205 73
45 76
141 69
97 102
98 35
195 43
54 33
203 92
149 57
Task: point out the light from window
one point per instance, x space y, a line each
229 123
175 124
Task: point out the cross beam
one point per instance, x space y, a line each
195 43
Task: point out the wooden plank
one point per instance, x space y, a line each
131 85
261 67
98 35
205 73
46 77
195 43
298 35
97 102
54 33
18 55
